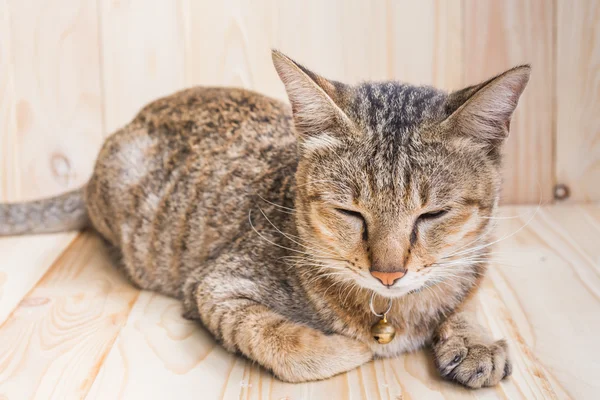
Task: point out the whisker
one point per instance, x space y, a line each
273 243
488 230
321 249
332 285
276 205
501 239
269 241
351 290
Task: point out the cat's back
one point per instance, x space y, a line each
211 116
201 123
181 174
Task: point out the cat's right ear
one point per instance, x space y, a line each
316 102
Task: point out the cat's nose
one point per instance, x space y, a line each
388 278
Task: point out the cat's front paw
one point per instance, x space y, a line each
314 356
470 362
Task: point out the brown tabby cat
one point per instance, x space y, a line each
275 226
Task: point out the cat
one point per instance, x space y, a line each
288 231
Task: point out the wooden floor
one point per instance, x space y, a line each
72 327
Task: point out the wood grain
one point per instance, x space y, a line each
239 51
426 42
578 98
151 49
500 35
551 283
70 74
24 261
56 78
346 41
9 176
174 351
142 47
350 42
56 340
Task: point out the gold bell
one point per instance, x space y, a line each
383 331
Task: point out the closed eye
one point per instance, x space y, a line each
350 213
358 216
432 215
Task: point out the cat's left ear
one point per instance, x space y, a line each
316 102
483 111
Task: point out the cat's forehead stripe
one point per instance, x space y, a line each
393 108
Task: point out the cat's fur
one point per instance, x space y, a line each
228 200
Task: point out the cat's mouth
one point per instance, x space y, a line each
411 282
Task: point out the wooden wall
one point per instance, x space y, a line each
72 71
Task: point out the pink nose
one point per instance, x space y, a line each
388 278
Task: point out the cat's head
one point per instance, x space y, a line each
396 183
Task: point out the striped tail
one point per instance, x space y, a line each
65 212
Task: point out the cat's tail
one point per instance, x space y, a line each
65 212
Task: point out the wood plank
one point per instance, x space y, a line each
347 41
551 283
426 42
240 55
350 42
9 176
578 98
500 35
24 102
182 359
55 341
25 260
449 57
143 54
239 50
54 46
